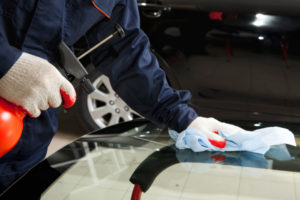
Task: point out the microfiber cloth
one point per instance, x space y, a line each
257 141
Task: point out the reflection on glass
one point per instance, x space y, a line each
105 170
263 20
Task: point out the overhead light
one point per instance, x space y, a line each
258 124
258 23
262 20
261 37
143 4
260 16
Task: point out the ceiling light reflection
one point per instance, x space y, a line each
258 124
263 20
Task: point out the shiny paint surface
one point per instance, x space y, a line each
240 60
102 164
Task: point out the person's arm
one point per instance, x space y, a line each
134 71
8 56
136 76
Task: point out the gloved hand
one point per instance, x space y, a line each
210 127
34 84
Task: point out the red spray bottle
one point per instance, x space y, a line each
11 126
11 116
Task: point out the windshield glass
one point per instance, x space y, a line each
146 153
108 163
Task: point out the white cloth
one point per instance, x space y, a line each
258 141
34 84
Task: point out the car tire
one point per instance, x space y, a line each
101 108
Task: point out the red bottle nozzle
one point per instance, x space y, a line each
11 125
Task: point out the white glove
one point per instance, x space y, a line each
34 84
210 127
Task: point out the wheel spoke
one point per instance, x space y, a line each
100 112
135 113
127 116
107 84
101 124
114 119
103 102
98 95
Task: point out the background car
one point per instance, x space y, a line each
239 60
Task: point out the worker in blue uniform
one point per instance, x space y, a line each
30 31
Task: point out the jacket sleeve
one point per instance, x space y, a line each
8 56
134 71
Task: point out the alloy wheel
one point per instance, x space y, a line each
106 107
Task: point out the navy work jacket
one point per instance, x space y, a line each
37 27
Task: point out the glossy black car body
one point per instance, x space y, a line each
107 163
240 60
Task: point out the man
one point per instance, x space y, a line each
29 35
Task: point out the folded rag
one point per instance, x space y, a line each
257 141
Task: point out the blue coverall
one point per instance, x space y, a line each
37 27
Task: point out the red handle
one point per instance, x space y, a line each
11 125
136 192
220 144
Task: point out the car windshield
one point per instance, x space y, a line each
107 163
